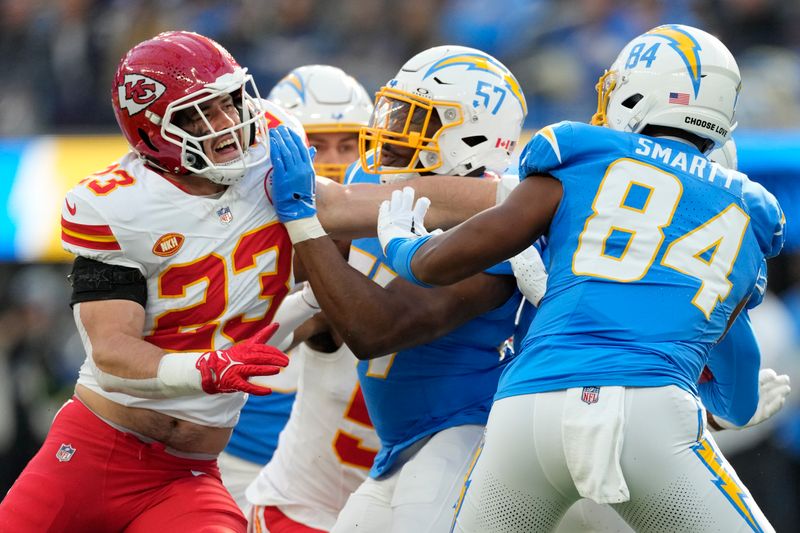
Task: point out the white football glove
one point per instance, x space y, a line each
772 392
397 218
530 273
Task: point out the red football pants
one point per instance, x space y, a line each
270 519
88 476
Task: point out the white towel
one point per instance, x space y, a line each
592 431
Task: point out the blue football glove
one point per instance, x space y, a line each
294 180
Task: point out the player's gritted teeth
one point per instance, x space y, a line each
222 150
225 146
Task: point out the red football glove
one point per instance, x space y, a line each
229 370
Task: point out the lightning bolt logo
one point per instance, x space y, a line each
725 483
687 47
294 81
467 483
479 62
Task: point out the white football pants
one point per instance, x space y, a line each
420 495
676 477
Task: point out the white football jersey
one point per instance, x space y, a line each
326 449
216 267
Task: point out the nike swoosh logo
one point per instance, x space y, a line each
197 473
71 208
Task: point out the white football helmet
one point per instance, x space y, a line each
450 110
675 76
326 100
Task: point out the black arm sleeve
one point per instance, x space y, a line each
92 280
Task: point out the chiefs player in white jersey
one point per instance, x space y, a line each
327 447
181 263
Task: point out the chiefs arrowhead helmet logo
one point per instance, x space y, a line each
138 91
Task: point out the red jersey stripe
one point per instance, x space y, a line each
85 243
86 229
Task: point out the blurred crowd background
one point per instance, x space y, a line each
57 58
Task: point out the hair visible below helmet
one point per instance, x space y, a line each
178 71
474 97
672 76
326 100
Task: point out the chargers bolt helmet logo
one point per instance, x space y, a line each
687 48
137 92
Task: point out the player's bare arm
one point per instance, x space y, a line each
350 211
114 329
341 289
490 236
374 320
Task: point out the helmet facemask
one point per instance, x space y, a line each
450 110
605 86
243 134
334 171
404 132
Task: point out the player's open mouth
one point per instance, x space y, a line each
226 146
225 149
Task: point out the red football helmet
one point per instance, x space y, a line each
176 71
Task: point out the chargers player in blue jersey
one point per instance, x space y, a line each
430 359
731 390
736 394
654 251
331 106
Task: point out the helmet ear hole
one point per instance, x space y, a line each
474 140
146 139
631 101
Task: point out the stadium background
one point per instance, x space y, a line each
57 58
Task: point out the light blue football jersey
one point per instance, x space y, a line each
650 251
261 420
728 386
446 383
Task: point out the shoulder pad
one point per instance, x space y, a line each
546 150
276 115
766 217
86 229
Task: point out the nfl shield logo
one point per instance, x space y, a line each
590 395
225 215
65 453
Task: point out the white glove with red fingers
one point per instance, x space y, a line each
229 370
400 217
530 273
772 392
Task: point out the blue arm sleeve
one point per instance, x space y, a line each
733 392
399 254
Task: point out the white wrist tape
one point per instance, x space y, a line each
294 310
178 373
504 187
177 376
304 229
